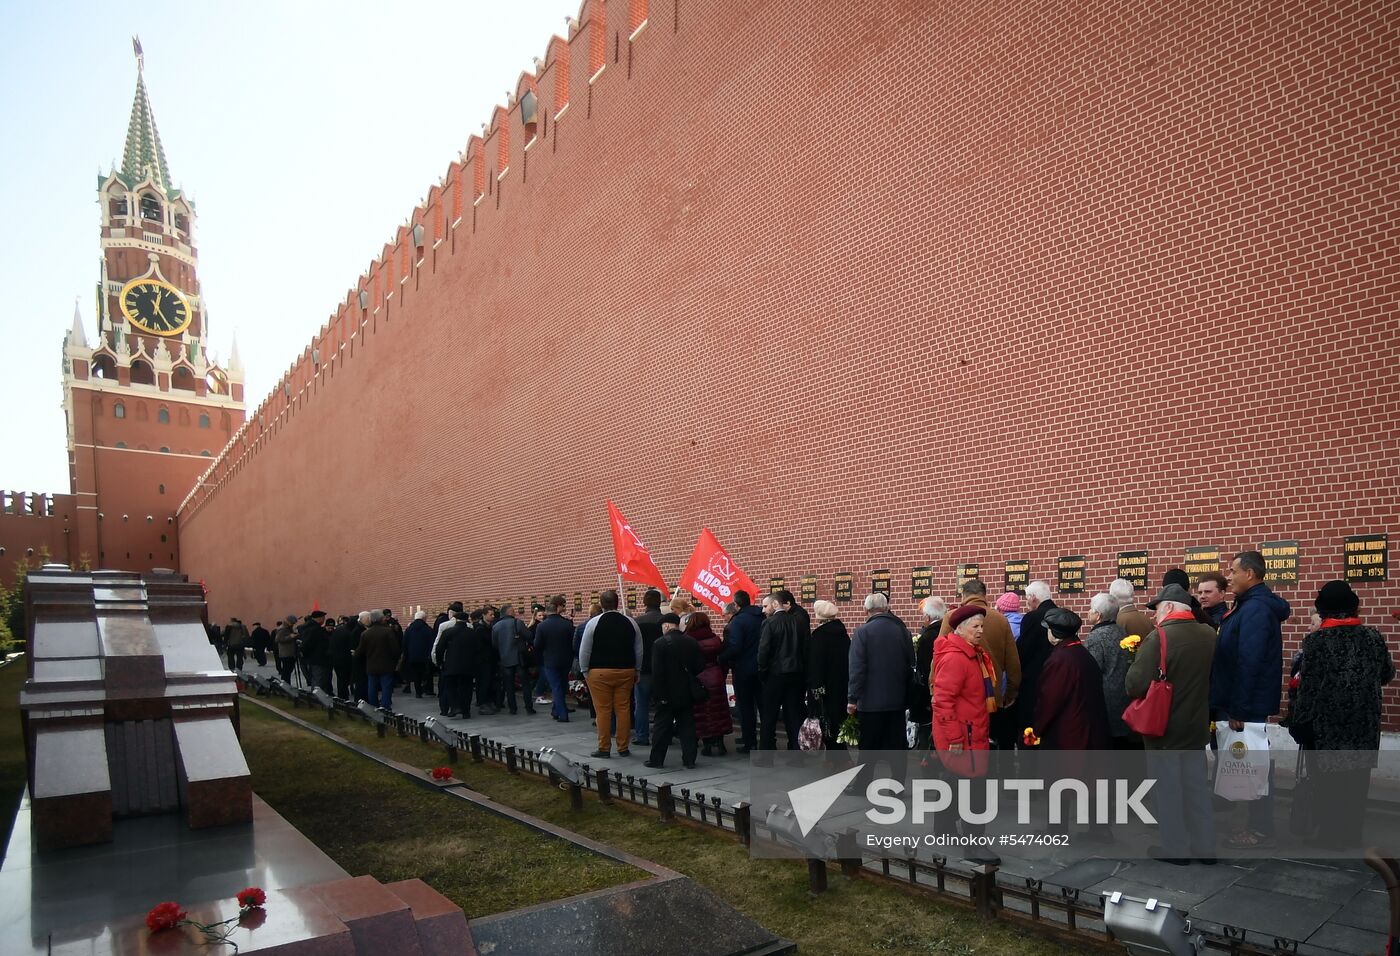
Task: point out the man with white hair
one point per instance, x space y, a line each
379 649
921 701
1130 619
881 660
1033 648
1177 759
417 651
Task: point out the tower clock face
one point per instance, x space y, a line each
156 307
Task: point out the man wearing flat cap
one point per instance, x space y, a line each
1178 758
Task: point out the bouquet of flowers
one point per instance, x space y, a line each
164 916
1029 739
849 734
1130 643
441 773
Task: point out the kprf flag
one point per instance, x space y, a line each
712 576
634 561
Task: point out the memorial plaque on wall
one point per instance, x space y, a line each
1017 573
1201 560
880 582
776 583
1365 557
592 598
578 601
921 583
968 572
631 598
809 588
1132 566
845 586
1280 562
1069 571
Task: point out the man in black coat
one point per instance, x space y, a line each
649 621
316 650
554 643
461 662
487 676
782 669
676 662
261 640
342 656
1034 648
740 655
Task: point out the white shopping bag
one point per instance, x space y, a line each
1242 762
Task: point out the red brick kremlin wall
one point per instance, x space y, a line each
861 286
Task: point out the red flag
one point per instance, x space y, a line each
316 604
712 576
634 561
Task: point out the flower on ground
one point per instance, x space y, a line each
164 916
1029 738
441 773
1130 643
252 896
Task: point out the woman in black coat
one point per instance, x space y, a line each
828 651
1337 715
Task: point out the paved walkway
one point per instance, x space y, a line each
1329 908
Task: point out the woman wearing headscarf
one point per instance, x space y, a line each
1069 710
712 720
828 671
1337 715
963 685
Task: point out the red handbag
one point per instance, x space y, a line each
1148 715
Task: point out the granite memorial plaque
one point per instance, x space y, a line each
578 602
776 583
844 586
1280 562
1201 560
1365 557
1132 566
1069 571
880 582
1017 574
809 588
968 572
921 583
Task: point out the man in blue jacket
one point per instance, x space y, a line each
740 654
1246 684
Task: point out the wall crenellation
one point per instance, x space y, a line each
599 35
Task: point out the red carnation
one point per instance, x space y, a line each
252 896
164 916
441 773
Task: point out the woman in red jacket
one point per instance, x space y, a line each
964 696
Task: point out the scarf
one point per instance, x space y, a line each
984 660
1178 616
1340 622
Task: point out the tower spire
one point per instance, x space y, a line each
77 336
143 154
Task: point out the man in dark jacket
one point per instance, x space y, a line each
260 640
676 662
1210 593
740 655
316 650
554 641
417 650
1177 759
379 649
343 641
1246 684
462 651
235 639
881 666
782 669
1033 648
509 635
488 675
649 621
449 628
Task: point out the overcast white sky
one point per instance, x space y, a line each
305 132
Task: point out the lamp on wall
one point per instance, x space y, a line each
364 299
418 236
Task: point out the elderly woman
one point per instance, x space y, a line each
964 692
1104 642
1070 713
828 672
1338 712
1009 604
712 720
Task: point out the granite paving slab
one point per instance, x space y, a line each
1368 910
1309 880
1335 938
1265 912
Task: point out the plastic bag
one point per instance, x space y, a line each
809 735
1242 762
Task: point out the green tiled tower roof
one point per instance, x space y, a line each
143 153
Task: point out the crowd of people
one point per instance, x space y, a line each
984 674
